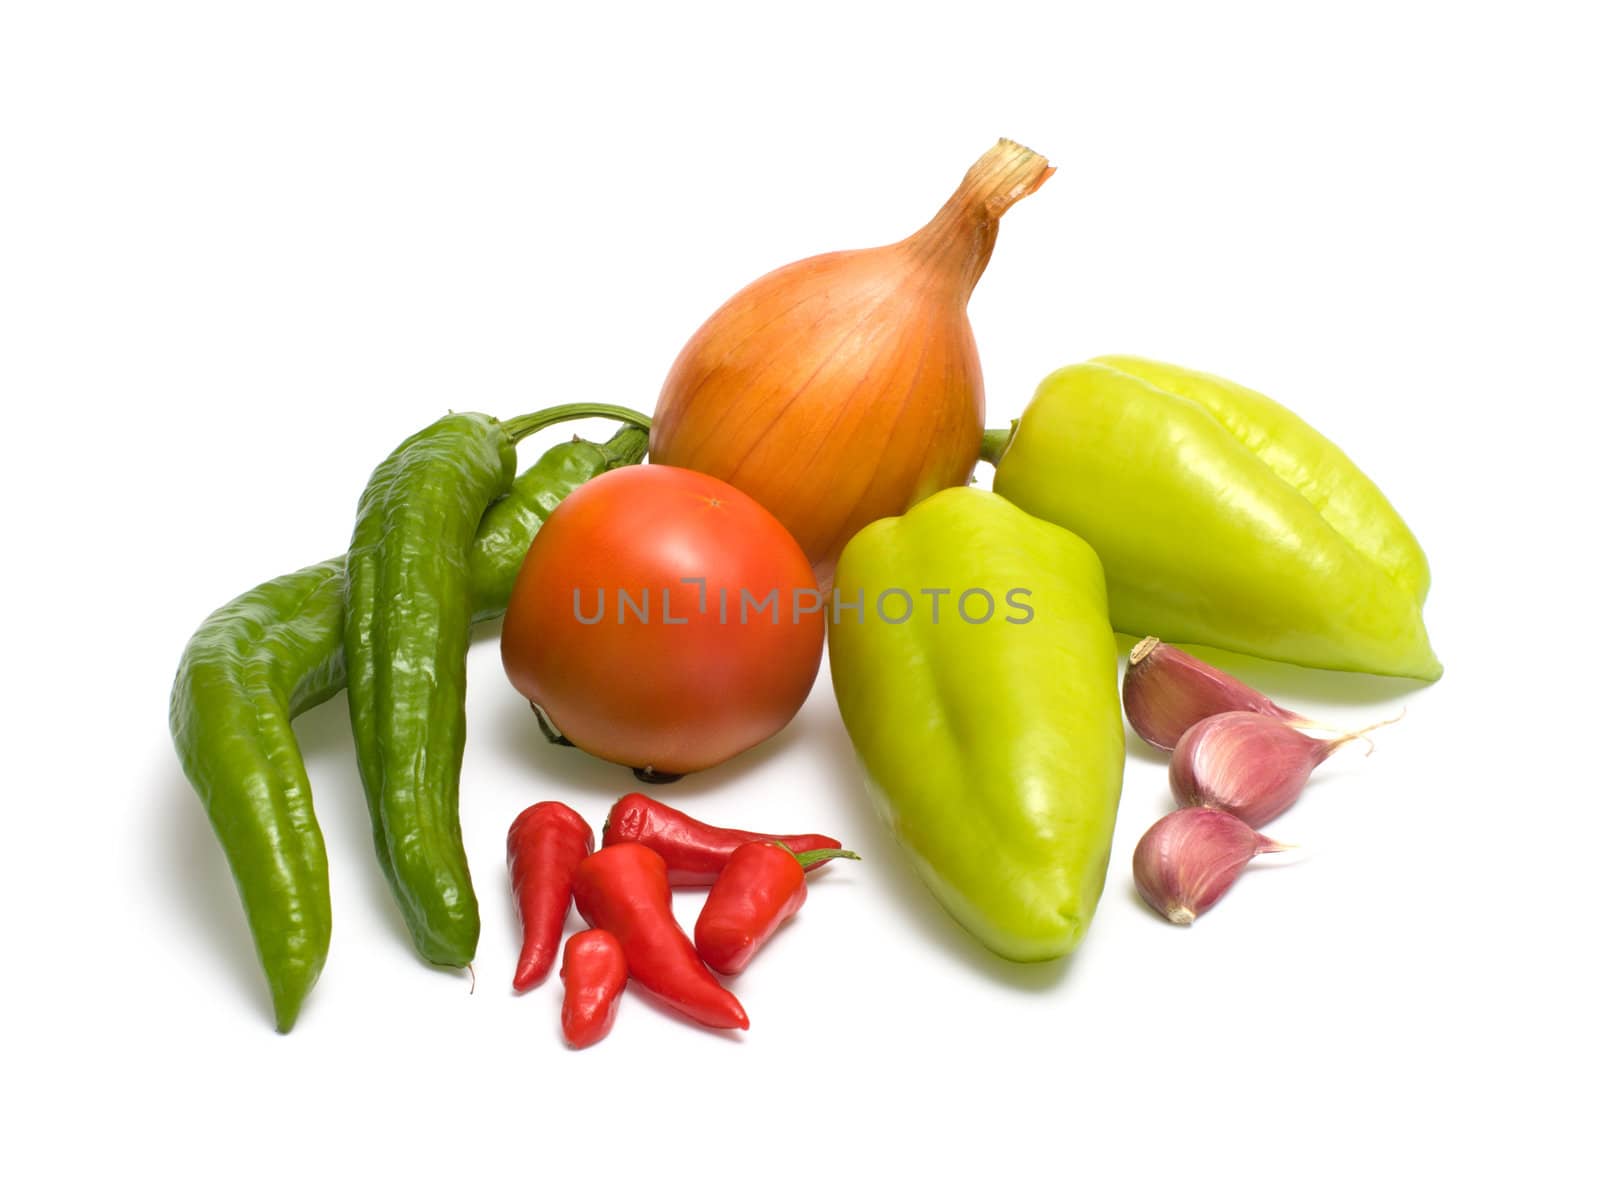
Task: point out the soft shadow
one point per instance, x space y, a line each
195 883
1160 803
487 631
1139 750
1143 907
882 855
801 729
650 1000
1263 864
515 732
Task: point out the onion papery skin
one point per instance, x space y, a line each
846 387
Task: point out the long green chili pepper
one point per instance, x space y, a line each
276 652
408 615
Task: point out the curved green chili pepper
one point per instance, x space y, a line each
978 682
251 667
277 651
1221 518
408 617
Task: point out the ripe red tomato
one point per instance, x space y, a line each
664 620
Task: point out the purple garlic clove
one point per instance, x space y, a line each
1191 857
1166 691
1251 765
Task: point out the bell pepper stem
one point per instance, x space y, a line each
520 427
995 443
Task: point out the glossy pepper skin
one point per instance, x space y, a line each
695 852
762 886
594 971
1221 518
543 849
408 617
623 890
407 625
993 749
277 651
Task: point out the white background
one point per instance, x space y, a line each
248 248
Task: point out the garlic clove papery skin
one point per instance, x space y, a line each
1190 858
1251 765
846 387
1165 691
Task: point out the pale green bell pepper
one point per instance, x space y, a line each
978 682
1221 518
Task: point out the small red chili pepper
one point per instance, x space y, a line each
761 887
543 847
595 972
695 852
623 890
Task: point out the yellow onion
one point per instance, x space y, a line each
846 387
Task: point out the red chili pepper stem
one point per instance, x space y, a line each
695 853
807 859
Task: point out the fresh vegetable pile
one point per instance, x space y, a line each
811 456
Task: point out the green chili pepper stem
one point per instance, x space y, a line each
627 446
995 443
520 427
